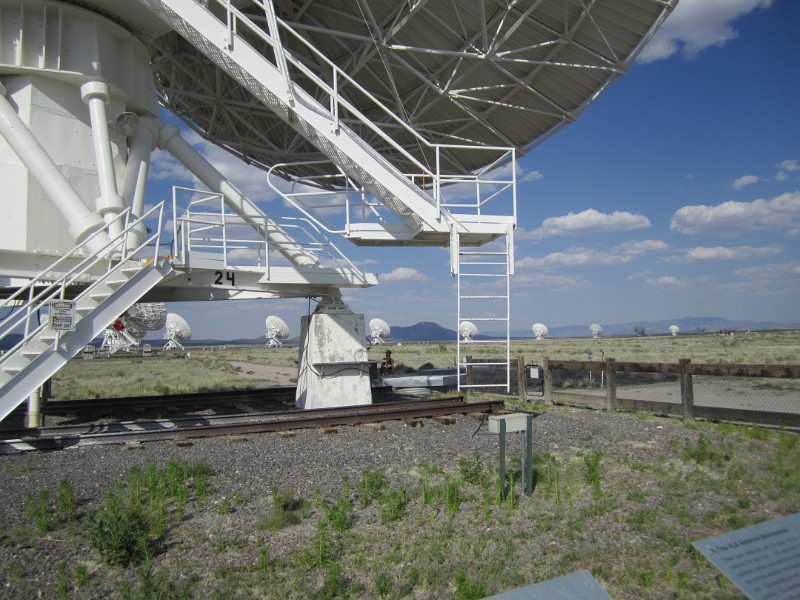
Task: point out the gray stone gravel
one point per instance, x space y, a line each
311 463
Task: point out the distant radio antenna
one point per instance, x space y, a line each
379 330
595 330
674 329
467 331
539 330
178 332
277 330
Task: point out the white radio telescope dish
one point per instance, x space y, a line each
120 336
178 332
674 329
595 330
277 330
467 331
539 330
379 330
146 316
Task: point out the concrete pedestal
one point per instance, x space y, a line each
334 370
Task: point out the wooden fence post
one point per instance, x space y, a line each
687 391
611 385
547 382
521 378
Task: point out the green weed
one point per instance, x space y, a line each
37 507
285 511
370 487
339 513
593 475
393 504
467 589
119 530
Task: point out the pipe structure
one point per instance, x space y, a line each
82 222
109 204
134 184
170 139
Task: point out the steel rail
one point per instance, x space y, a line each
54 438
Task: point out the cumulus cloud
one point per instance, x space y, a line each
720 253
744 181
785 168
531 176
696 25
781 213
403 274
668 281
578 257
588 222
550 283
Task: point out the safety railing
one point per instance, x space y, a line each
37 293
208 227
328 84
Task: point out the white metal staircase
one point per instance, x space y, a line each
484 299
228 37
98 301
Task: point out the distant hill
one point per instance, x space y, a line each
686 325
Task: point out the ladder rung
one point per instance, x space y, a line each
485 385
484 364
483 297
483 275
479 253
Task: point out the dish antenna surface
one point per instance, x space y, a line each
539 330
674 329
595 330
178 332
467 331
146 316
277 330
379 330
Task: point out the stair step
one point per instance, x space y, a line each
31 353
99 296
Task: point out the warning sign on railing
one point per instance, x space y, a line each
62 315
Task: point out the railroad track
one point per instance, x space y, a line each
54 438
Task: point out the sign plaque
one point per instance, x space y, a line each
62 315
762 560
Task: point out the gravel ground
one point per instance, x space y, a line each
311 464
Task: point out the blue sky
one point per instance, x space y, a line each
676 194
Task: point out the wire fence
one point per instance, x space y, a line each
763 394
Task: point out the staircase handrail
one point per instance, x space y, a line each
235 16
57 288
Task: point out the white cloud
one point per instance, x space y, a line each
786 167
745 180
550 283
402 274
781 213
578 257
719 253
531 176
588 222
696 25
668 281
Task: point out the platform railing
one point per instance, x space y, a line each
208 226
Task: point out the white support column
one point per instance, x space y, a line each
170 139
82 222
134 186
95 94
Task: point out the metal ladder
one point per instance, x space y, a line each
484 297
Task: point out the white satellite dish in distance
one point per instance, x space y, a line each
595 330
539 330
674 329
467 330
277 330
178 332
379 330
